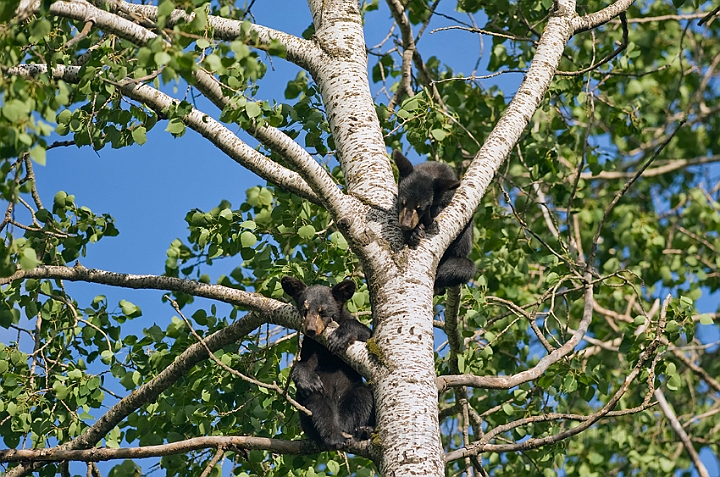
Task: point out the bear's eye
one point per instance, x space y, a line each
320 309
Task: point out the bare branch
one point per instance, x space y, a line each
648 354
655 171
481 31
507 382
682 435
98 454
213 462
398 12
83 34
711 14
250 301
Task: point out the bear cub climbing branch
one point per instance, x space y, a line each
423 192
341 403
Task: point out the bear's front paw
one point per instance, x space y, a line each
362 433
415 236
337 441
307 384
339 341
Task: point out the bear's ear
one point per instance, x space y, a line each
293 286
343 291
444 185
404 166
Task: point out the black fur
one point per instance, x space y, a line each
342 405
423 192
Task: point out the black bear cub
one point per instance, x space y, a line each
423 192
342 405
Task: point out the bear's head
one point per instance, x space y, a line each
417 192
318 304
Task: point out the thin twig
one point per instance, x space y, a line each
272 387
625 188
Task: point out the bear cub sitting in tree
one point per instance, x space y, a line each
342 405
423 192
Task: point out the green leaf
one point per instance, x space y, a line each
276 48
176 127
38 154
507 409
253 110
306 232
39 29
333 467
129 309
7 9
199 23
139 135
63 117
15 109
674 382
706 319
165 8
28 259
226 214
338 239
248 239
161 58
570 383
438 134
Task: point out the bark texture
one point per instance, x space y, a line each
342 77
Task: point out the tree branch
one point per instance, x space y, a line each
208 127
617 51
410 54
509 128
98 454
655 171
507 382
682 435
78 273
276 140
649 353
594 20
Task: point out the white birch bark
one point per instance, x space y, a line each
510 126
342 77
